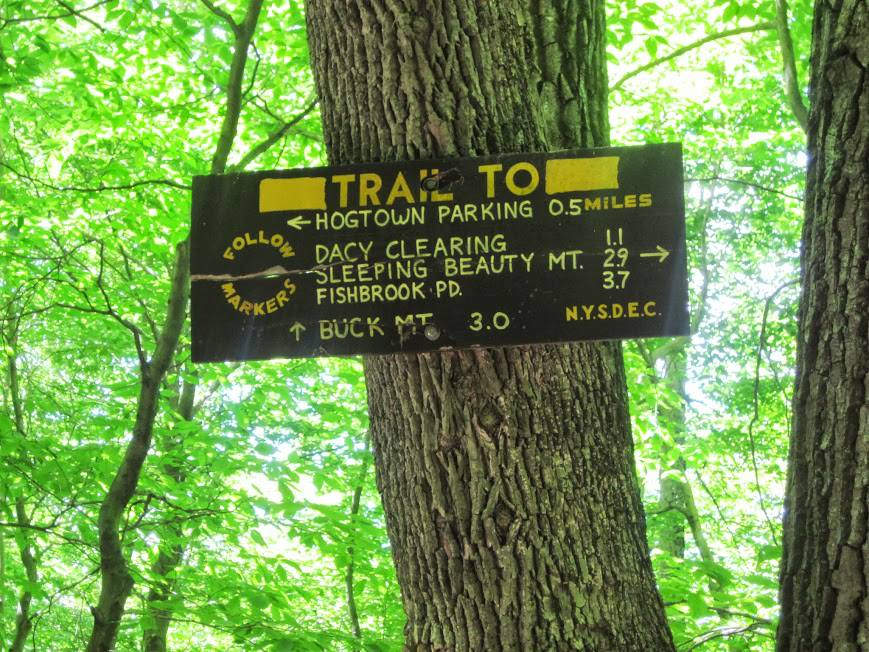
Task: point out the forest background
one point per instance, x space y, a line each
256 523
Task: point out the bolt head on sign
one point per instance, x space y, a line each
426 255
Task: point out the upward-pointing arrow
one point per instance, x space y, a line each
297 329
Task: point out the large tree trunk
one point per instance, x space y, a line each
507 476
825 570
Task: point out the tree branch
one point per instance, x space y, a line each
233 90
723 633
760 344
678 52
130 326
76 12
220 13
274 137
743 182
70 12
100 188
789 66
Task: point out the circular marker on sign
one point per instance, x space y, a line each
432 332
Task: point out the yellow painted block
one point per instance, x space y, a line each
576 174
299 194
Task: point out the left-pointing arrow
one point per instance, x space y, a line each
297 329
298 222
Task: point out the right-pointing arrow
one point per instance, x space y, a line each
297 329
661 254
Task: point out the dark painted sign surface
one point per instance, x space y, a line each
422 255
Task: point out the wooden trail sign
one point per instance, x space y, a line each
423 255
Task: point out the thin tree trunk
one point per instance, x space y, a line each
673 490
23 619
355 503
171 547
507 476
825 569
170 556
116 581
676 492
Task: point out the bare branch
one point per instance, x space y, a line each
678 52
723 633
743 182
274 137
789 66
756 416
253 72
152 325
100 188
220 13
130 326
79 13
70 12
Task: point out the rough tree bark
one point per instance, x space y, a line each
825 569
507 476
116 581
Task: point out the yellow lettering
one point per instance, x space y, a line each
369 186
516 189
400 189
343 181
489 171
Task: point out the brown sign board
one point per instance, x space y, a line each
425 255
